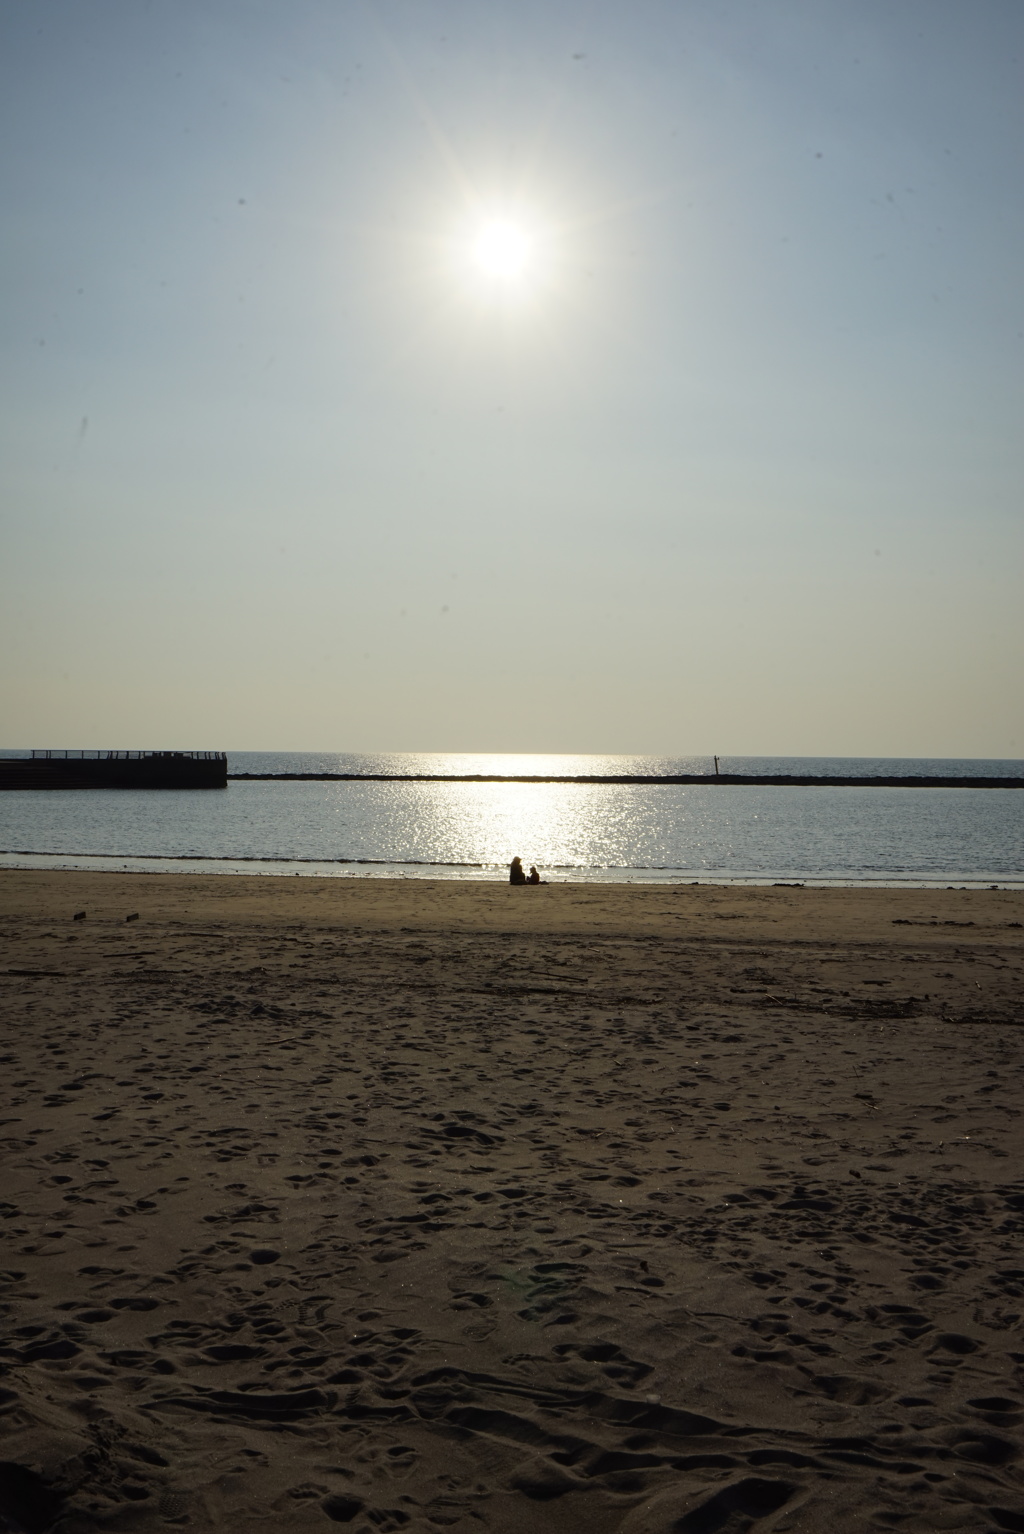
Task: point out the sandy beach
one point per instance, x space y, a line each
403 1205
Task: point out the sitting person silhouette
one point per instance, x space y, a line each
515 872
535 877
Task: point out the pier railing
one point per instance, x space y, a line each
127 756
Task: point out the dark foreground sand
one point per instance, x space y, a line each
413 1206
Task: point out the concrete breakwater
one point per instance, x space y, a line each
741 780
115 769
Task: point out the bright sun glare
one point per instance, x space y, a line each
502 250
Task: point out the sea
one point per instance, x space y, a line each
656 833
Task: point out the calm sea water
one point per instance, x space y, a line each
571 831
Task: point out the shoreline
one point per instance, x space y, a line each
795 907
367 868
437 1205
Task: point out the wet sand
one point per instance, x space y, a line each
422 1206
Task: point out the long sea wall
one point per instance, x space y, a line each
737 780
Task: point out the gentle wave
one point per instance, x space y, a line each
227 857
379 868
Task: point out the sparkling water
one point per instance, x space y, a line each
593 832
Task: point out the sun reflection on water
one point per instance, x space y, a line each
555 825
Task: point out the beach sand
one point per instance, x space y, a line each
404 1205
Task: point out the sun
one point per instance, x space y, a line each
501 258
503 250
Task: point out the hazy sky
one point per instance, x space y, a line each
729 461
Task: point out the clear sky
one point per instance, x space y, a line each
465 375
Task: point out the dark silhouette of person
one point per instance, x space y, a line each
515 872
535 877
